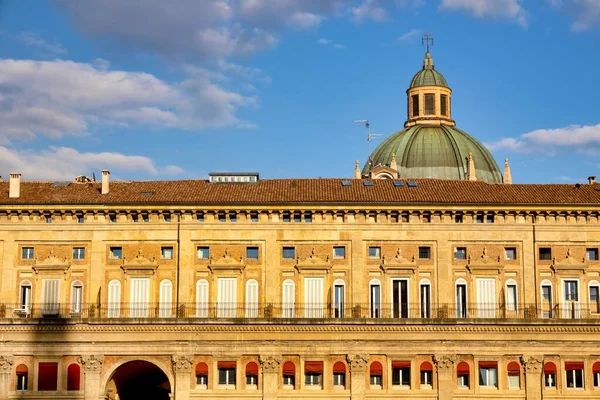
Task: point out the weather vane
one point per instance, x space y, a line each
426 38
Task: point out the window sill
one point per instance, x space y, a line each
226 387
251 387
426 387
462 387
488 387
376 387
201 387
288 387
401 387
313 387
339 387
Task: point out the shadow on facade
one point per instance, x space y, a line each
138 380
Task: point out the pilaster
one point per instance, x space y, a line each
533 377
182 367
358 369
6 363
270 376
92 367
444 365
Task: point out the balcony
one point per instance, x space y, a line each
385 313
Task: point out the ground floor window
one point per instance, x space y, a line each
312 379
289 373
574 372
462 375
226 372
375 374
401 373
339 379
313 372
488 374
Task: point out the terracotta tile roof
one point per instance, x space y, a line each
302 191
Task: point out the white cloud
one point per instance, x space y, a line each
369 10
305 20
32 39
329 42
584 139
586 13
64 163
57 98
511 9
410 35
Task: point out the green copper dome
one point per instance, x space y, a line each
431 151
428 76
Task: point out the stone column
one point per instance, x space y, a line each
533 377
358 370
92 367
270 376
445 379
182 367
6 363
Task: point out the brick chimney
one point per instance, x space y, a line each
105 180
14 190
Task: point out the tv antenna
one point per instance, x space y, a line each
370 135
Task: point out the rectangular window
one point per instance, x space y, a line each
27 253
444 104
78 253
286 217
253 217
510 253
426 377
308 216
425 301
545 253
511 297
514 382
21 380
488 374
479 218
288 380
226 376
401 376
574 376
339 379
571 291
596 379
48 219
374 252
550 380
80 219
489 219
463 380
252 253
458 218
592 254
203 252
167 217
312 379
200 217
460 253
339 252
47 376
375 380
424 253
202 380
116 253
415 105
222 217
297 217
166 252
251 380
429 104
289 253
595 299
232 217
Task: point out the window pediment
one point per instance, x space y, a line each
569 264
313 263
485 264
399 263
51 263
139 265
227 263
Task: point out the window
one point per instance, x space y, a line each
511 296
546 294
165 300
401 373
462 374
596 374
226 297
76 297
203 252
200 217
592 254
429 104
545 253
222 217
313 372
252 374
297 217
460 253
308 216
574 372
226 372
27 253
114 299
78 253
50 297
73 377
252 298
289 253
594 289
22 377
116 253
415 105
167 217
424 253
112 218
461 298
286 217
338 299
514 375
479 218
571 292
375 374
232 216
549 375
510 253
339 374
489 219
425 298
488 374
253 217
166 252
48 219
202 375
252 253
458 218
25 297
80 219
375 298
134 217
426 374
145 218
444 104
375 252
47 376
288 299
289 373
339 252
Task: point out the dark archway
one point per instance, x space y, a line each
139 380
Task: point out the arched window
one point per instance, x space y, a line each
76 297
511 298
22 377
550 375
425 298
375 298
73 377
251 298
339 298
202 299
25 298
514 375
462 374
546 299
288 299
375 374
594 296
339 374
165 305
114 299
289 375
202 375
251 375
426 375
461 298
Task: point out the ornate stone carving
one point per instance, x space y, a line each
269 363
357 362
6 363
444 363
182 363
532 364
91 363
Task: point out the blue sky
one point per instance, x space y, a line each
174 90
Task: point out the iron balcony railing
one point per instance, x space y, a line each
299 311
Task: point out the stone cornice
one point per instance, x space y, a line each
51 263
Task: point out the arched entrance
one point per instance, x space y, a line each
138 380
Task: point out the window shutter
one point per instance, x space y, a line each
486 298
226 303
140 297
166 299
114 299
50 296
47 376
202 299
313 297
73 377
288 299
251 299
